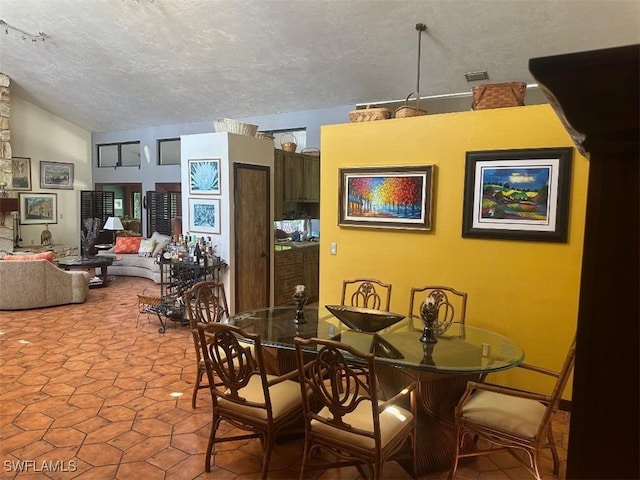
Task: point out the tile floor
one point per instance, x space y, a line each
85 393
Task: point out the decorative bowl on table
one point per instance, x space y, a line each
364 319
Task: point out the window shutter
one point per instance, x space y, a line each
96 204
162 207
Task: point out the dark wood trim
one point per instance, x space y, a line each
596 95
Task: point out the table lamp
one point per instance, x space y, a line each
113 223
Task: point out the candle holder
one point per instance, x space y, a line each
300 300
429 315
427 354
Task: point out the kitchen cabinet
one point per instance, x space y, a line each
278 185
296 180
297 266
311 271
311 178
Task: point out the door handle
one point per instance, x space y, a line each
264 255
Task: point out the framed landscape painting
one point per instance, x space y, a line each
204 176
56 175
20 173
517 194
204 215
38 208
386 197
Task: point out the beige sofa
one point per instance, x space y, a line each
39 283
128 260
132 265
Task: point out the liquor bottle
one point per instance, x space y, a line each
197 254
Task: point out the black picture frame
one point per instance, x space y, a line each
517 194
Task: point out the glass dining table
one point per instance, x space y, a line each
442 369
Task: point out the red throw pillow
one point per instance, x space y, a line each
128 244
32 256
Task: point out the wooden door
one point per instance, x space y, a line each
252 236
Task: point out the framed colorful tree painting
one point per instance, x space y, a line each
386 197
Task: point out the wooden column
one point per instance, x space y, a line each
597 96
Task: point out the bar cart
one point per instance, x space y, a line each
176 277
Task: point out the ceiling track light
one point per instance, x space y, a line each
40 37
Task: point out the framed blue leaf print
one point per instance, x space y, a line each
204 176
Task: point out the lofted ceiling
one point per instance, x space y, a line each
121 64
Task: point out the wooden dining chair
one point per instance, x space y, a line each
205 302
343 413
366 293
243 394
452 303
511 419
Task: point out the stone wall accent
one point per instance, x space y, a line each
6 231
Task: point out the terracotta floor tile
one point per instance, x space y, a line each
33 421
97 454
93 388
167 458
146 449
75 417
20 440
139 470
108 432
117 413
152 426
127 439
64 437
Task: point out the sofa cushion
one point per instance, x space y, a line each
161 242
32 256
146 247
128 244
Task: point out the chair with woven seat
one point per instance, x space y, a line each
147 304
452 303
204 302
343 413
243 394
366 293
511 419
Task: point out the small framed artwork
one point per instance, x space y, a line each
204 215
386 197
38 208
117 203
56 175
517 194
21 173
204 176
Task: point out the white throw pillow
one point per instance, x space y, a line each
146 247
161 242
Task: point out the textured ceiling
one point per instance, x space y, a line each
121 64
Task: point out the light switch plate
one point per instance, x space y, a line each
333 248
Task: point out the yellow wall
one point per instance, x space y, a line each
527 291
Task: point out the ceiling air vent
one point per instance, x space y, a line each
476 76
